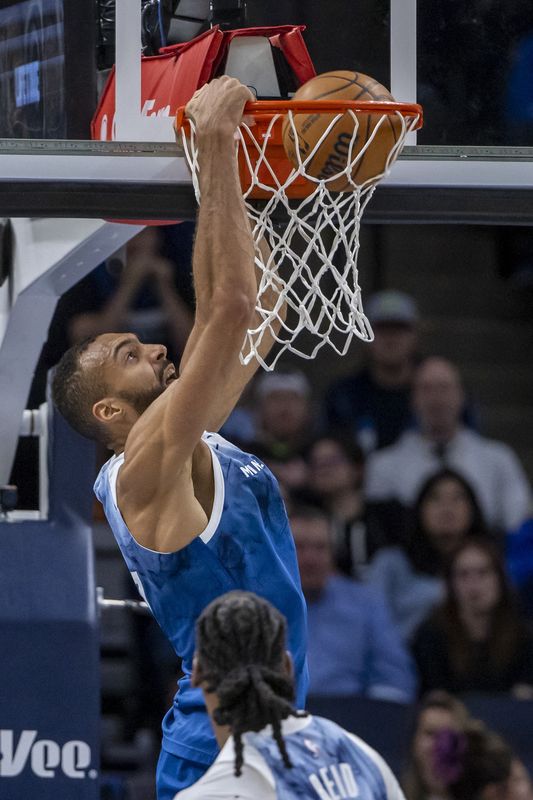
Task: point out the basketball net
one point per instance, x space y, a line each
310 266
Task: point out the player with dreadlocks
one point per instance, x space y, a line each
269 749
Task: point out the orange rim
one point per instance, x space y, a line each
266 109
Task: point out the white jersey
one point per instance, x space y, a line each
328 764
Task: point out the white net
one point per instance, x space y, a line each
308 288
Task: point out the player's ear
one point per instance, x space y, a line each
288 665
107 410
195 674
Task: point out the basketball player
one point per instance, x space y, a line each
193 515
268 749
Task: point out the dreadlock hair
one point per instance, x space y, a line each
75 390
240 648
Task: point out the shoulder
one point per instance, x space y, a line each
355 593
392 558
391 784
219 782
408 442
348 592
491 448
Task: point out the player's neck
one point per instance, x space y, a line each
222 732
119 438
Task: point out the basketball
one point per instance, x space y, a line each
332 154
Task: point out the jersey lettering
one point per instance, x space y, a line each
335 782
252 468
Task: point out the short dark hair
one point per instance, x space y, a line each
75 390
240 647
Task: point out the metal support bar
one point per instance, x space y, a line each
106 604
46 267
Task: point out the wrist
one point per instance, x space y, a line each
220 141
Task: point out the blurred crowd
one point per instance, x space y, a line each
405 518
413 530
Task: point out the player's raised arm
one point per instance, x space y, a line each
223 267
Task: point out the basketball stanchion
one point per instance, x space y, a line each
308 168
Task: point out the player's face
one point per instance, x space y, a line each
430 723
135 372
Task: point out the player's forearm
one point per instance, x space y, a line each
224 252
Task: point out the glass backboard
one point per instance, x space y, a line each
468 64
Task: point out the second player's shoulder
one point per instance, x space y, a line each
392 787
220 782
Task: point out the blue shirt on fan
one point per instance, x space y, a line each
247 545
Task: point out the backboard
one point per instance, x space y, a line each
466 63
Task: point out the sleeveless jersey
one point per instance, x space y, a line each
246 545
326 763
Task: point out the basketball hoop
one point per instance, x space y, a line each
312 263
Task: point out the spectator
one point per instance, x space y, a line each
438 711
336 469
411 578
284 425
353 646
476 640
441 440
474 764
372 406
145 300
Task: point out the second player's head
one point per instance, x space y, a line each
102 385
241 659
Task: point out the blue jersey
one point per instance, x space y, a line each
247 545
328 763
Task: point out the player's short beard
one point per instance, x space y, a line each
143 398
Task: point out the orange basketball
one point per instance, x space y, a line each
332 155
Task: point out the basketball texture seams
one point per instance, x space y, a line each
332 154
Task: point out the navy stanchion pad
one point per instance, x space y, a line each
49 643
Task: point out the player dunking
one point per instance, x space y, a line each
269 749
194 516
